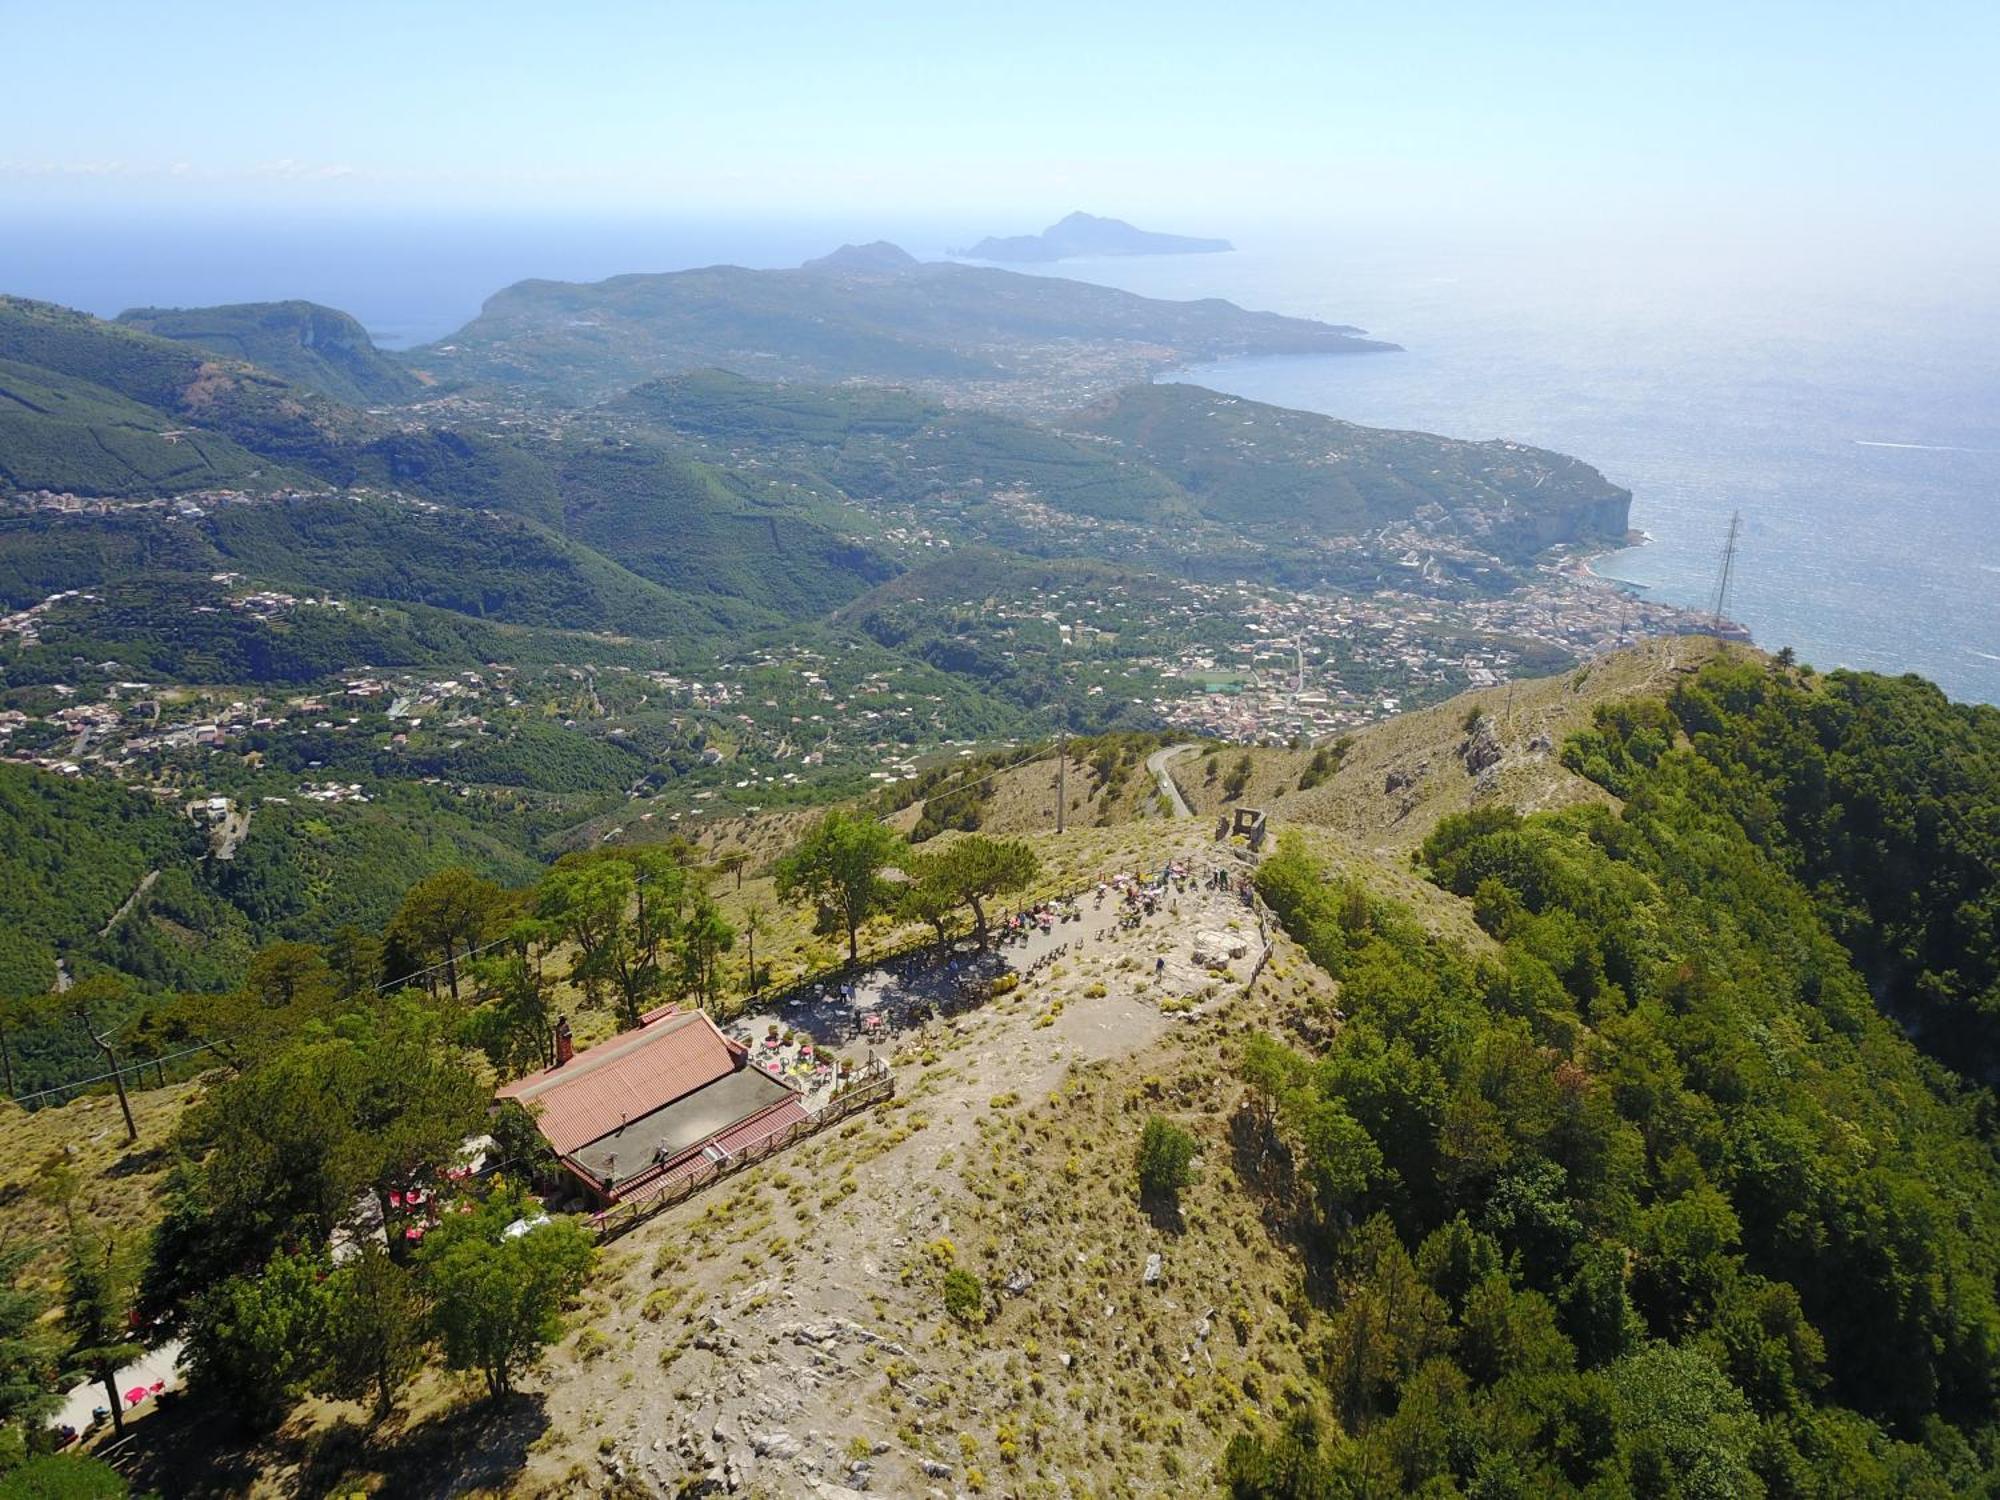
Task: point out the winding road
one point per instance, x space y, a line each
1157 764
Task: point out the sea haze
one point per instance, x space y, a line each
1854 421
1852 416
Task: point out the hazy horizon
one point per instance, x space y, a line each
1837 123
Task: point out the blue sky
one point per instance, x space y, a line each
1833 114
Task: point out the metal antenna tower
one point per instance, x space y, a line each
1727 571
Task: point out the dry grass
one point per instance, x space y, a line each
1419 752
115 1183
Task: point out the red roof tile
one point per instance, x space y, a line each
632 1074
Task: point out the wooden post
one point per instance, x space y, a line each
1062 768
117 1082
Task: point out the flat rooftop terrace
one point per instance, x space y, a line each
688 1121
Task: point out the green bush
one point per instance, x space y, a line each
1166 1160
964 1296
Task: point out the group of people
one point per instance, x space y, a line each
1041 917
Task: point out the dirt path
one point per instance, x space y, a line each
744 1334
145 884
229 836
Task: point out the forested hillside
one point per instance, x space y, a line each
62 432
320 348
75 857
1657 1201
257 410
836 320
487 566
73 851
1294 472
1882 797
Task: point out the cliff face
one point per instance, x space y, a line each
319 348
1523 531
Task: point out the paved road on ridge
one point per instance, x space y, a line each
1157 764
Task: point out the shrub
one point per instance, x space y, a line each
964 1296
1238 777
1166 1160
660 1302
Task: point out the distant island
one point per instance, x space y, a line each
1087 234
876 255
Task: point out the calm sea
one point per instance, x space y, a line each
1852 417
1853 421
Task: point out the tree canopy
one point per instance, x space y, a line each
1654 1199
838 868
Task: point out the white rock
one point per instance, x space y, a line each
776 1444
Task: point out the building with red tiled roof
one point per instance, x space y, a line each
652 1102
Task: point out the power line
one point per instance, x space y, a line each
404 981
136 1065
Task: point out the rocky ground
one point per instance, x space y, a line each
1396 779
784 1333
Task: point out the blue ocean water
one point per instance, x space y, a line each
1851 414
1852 418
408 278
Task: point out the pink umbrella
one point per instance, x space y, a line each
137 1394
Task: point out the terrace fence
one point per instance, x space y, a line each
874 1084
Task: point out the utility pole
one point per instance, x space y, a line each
1728 569
1062 784
117 1077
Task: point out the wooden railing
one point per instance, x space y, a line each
874 1085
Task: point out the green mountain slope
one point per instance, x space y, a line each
842 321
61 432
687 527
879 443
488 566
1880 794
319 348
473 470
690 529
259 411
178 627
1652 1198
1153 454
1293 472
72 851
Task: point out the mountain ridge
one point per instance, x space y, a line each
311 345
979 333
1081 234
